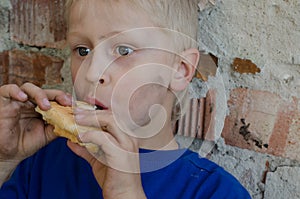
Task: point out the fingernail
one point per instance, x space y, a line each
78 117
80 136
68 98
46 102
77 110
22 95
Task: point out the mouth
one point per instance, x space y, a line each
97 107
97 104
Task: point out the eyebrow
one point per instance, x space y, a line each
110 34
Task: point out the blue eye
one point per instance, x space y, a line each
82 51
124 50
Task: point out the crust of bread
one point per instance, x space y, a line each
62 118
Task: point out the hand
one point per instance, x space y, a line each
22 131
116 168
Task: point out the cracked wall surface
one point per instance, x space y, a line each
257 46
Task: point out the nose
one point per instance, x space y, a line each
97 70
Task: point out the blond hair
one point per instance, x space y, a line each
177 15
180 16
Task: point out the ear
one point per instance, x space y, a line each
185 69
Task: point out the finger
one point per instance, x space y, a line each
96 137
12 91
91 117
102 119
97 166
37 95
59 96
42 96
104 140
81 151
49 133
122 158
107 142
26 109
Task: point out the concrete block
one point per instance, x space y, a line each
4 25
247 166
283 183
257 30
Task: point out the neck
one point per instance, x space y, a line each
162 140
158 134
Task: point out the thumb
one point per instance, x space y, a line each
49 133
81 151
98 168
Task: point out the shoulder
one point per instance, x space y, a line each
187 175
52 168
197 162
214 179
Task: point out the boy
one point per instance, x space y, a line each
135 68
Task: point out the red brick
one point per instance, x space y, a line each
278 139
267 118
292 149
209 116
4 62
191 123
38 22
18 67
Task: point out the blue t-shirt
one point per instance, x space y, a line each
55 172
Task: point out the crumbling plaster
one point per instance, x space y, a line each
266 32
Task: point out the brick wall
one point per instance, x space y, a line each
253 46
32 43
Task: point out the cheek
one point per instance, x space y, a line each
143 99
77 73
78 67
73 74
149 94
74 70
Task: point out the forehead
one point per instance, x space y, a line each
98 20
123 14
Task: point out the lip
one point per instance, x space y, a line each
95 102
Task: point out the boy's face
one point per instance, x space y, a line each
118 63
